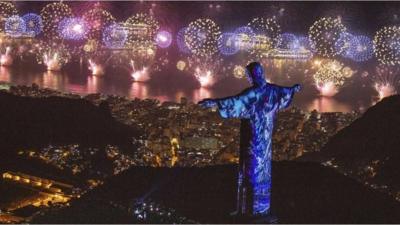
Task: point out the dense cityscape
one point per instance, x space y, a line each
184 134
102 118
174 135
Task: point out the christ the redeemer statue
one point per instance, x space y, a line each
256 106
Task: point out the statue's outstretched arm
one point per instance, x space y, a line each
238 106
286 95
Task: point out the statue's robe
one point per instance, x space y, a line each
256 107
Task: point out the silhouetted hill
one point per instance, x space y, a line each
369 148
28 123
35 122
302 193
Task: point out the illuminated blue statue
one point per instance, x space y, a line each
256 106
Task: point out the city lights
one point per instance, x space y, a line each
96 92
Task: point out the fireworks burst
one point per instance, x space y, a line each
163 39
141 30
330 76
6 58
34 24
239 72
386 80
52 14
53 55
204 76
15 26
73 28
181 65
7 9
139 75
302 43
90 46
97 19
96 68
288 40
387 45
115 36
180 41
244 38
201 36
226 44
145 52
141 62
262 44
324 34
205 69
361 49
267 27
344 44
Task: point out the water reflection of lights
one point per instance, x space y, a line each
52 80
200 94
4 74
6 60
326 104
139 90
77 89
93 84
179 95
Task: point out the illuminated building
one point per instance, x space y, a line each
59 189
210 143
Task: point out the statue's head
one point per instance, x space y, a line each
255 73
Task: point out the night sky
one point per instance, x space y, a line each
296 17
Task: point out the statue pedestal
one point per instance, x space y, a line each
261 219
267 219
